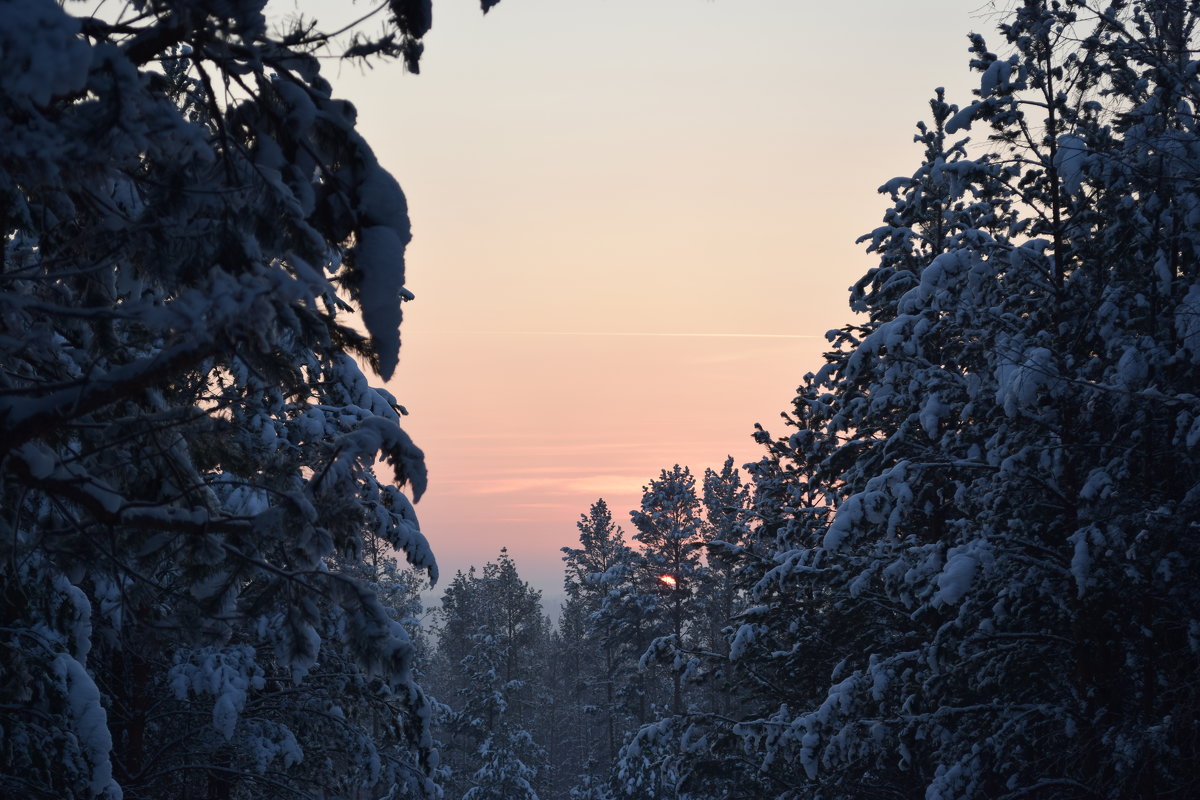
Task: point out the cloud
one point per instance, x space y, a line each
606 484
562 484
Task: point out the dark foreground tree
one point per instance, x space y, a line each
1004 601
189 227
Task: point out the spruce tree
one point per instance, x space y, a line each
996 578
192 231
491 637
606 662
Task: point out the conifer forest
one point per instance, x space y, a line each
964 566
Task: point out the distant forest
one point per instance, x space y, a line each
966 565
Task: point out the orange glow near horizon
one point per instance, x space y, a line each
629 240
669 580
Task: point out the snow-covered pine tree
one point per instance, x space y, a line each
668 529
605 661
189 227
726 531
569 730
695 752
1009 443
658 598
491 633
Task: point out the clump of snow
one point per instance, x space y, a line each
962 120
996 75
869 507
1020 383
1098 486
39 459
744 637
956 577
267 743
1069 161
228 675
81 620
91 724
939 281
41 54
932 413
403 532
1132 368
379 257
808 753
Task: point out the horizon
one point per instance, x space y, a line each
582 323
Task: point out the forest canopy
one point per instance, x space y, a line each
968 566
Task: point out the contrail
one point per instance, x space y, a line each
659 334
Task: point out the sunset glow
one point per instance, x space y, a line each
627 259
669 580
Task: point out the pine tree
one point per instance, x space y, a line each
491 634
190 228
659 598
605 661
981 537
726 531
668 529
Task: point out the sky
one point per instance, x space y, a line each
634 221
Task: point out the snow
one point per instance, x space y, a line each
197 241
247 501
956 577
870 507
808 753
1070 158
1020 383
41 54
932 414
301 112
962 120
81 620
1132 368
382 201
405 534
379 256
90 725
227 675
745 636
1098 486
996 75
39 459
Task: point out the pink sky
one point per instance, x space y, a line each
633 221
532 428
